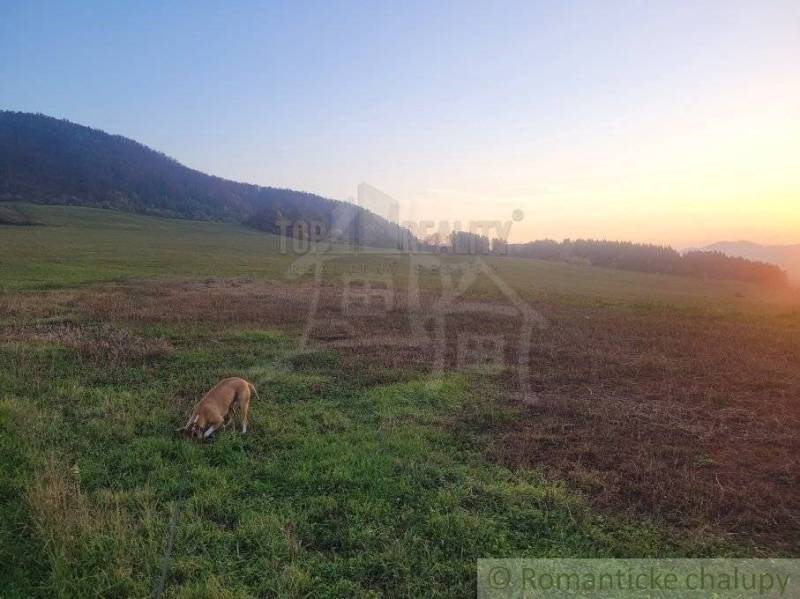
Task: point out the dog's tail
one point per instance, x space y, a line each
253 389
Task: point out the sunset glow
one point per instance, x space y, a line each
663 122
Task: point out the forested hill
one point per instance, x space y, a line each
47 160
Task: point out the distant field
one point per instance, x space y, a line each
378 464
80 246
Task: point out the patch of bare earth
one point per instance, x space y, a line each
687 417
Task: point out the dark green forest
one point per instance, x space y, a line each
52 161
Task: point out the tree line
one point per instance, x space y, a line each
650 258
623 255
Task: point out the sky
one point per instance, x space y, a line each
674 122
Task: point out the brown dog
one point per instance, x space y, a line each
210 412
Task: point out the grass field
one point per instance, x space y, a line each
665 423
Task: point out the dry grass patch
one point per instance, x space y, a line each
689 419
60 510
78 534
102 344
211 302
108 539
26 307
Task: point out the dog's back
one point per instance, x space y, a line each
227 392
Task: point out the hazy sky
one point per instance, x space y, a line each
675 122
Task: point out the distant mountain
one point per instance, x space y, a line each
52 161
785 256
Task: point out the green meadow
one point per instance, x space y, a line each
355 479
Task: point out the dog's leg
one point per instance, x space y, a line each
233 413
188 424
210 430
244 402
